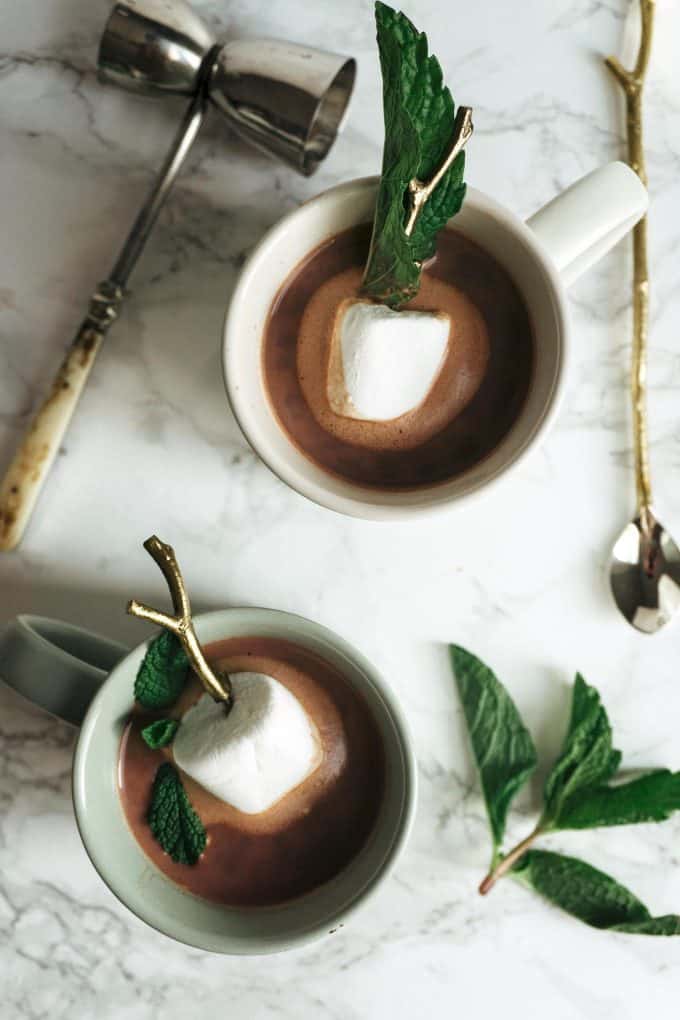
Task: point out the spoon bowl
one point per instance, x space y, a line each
645 574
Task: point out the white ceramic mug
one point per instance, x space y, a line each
543 256
88 681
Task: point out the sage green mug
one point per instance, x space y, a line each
88 681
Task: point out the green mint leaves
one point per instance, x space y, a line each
581 791
587 758
163 672
502 746
160 733
650 798
172 819
419 117
590 895
578 794
159 682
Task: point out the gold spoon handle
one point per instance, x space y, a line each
632 83
639 367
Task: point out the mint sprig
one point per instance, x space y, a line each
587 760
590 895
578 793
163 673
502 746
419 120
172 819
160 733
581 791
652 797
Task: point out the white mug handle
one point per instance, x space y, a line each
582 223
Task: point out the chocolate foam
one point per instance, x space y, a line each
474 401
307 836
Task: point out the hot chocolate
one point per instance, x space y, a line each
311 833
476 397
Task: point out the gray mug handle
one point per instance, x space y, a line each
56 665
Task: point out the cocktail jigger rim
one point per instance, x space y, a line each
331 101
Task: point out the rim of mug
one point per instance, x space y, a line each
146 910
435 500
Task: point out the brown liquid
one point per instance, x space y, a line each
474 401
310 834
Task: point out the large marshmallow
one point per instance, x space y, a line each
383 363
252 756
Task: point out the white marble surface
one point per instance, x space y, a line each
519 578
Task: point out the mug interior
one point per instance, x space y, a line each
132 877
483 220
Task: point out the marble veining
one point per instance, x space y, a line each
519 577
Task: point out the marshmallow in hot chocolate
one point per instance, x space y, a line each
383 363
255 754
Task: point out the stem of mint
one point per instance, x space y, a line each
508 861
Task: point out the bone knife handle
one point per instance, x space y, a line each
26 474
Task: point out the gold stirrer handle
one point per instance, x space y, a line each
217 685
632 83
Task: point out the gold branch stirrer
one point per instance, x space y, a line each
218 685
645 568
420 191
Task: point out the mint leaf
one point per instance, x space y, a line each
172 819
578 794
667 924
160 733
501 743
590 895
587 759
161 677
419 116
649 798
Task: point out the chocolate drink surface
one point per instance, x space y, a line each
477 396
309 835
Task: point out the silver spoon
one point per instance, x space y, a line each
645 565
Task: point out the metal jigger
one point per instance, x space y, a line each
287 99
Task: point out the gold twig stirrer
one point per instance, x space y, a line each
632 83
217 685
420 191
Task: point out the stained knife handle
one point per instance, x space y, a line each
28 470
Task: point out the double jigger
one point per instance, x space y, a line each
287 99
